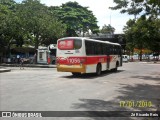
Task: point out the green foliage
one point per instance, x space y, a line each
107 29
142 32
39 22
154 34
78 19
136 7
33 23
8 22
129 35
29 22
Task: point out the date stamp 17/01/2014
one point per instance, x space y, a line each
138 104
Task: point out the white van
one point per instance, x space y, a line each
125 58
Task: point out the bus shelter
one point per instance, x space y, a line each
42 55
47 55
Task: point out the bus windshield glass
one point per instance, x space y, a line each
69 44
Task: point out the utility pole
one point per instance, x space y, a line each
110 19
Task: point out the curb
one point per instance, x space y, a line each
29 65
4 70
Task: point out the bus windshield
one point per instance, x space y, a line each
69 44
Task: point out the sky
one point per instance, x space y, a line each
101 11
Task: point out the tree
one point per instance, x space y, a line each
29 21
140 35
154 35
38 21
136 7
107 29
142 32
8 25
129 35
78 19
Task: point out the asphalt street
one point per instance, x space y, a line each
45 89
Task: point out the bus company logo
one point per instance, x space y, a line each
62 58
62 43
6 114
69 43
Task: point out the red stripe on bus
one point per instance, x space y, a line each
85 60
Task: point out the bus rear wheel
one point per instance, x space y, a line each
98 69
76 74
116 67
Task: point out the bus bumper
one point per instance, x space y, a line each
71 68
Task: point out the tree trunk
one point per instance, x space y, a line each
36 47
83 31
9 51
141 54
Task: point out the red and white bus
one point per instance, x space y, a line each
80 55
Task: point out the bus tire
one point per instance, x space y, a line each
116 67
98 69
76 74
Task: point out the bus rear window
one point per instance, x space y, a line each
69 44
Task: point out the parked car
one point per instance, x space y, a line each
125 58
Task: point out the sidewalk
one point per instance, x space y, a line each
4 70
29 65
146 61
3 66
150 62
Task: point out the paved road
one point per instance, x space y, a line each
45 89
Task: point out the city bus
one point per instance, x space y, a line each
80 55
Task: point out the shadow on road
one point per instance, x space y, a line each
147 78
92 75
136 93
100 105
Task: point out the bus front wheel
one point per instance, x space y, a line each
98 69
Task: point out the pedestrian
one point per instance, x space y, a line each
18 59
21 63
131 59
35 55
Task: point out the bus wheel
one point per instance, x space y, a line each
76 74
98 69
116 68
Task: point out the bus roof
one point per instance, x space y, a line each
85 38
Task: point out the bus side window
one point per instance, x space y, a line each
95 48
98 48
89 47
110 49
115 50
77 44
103 49
107 49
119 50
92 48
